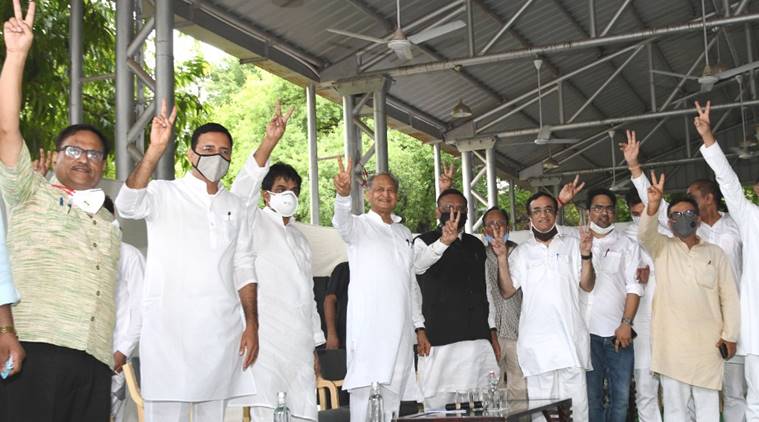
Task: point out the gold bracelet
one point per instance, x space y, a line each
7 329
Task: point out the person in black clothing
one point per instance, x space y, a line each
336 306
453 319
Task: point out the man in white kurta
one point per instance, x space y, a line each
746 215
199 328
126 334
289 324
717 228
646 382
380 333
454 315
554 344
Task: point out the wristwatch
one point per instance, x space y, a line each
587 257
627 321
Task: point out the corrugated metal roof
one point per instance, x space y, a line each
544 22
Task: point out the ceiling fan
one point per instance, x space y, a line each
544 133
401 44
714 73
749 147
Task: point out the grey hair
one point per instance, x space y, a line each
392 177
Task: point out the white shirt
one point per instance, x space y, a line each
724 233
642 343
615 260
552 330
131 275
379 326
289 324
746 216
199 256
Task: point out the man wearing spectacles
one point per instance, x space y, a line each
551 268
496 226
611 309
695 312
64 252
715 227
454 316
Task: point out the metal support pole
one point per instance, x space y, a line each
651 80
470 27
380 131
76 54
352 153
313 158
124 88
750 58
513 203
592 14
164 40
491 177
506 26
615 18
687 122
466 179
560 100
436 158
605 84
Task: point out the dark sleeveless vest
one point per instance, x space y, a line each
454 299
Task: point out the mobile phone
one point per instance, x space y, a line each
723 350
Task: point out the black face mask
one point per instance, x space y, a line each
544 237
445 216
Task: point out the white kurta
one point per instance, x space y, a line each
380 334
289 324
126 333
552 330
642 343
199 256
129 289
746 215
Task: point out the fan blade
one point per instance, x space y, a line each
737 70
359 36
435 32
404 53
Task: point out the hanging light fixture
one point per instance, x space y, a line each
550 163
461 110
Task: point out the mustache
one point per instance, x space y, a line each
82 167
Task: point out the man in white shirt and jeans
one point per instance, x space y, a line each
611 310
551 268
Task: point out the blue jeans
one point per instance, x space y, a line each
617 369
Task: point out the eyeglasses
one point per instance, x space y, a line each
74 152
211 150
497 224
687 213
545 211
599 209
453 208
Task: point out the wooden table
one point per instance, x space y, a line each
517 410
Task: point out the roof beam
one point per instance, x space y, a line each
560 47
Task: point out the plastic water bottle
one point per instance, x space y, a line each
493 391
281 412
376 411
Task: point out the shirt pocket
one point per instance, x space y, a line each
705 274
609 262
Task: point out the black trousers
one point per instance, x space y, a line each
57 384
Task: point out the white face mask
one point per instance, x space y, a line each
636 219
284 203
89 201
601 230
212 167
